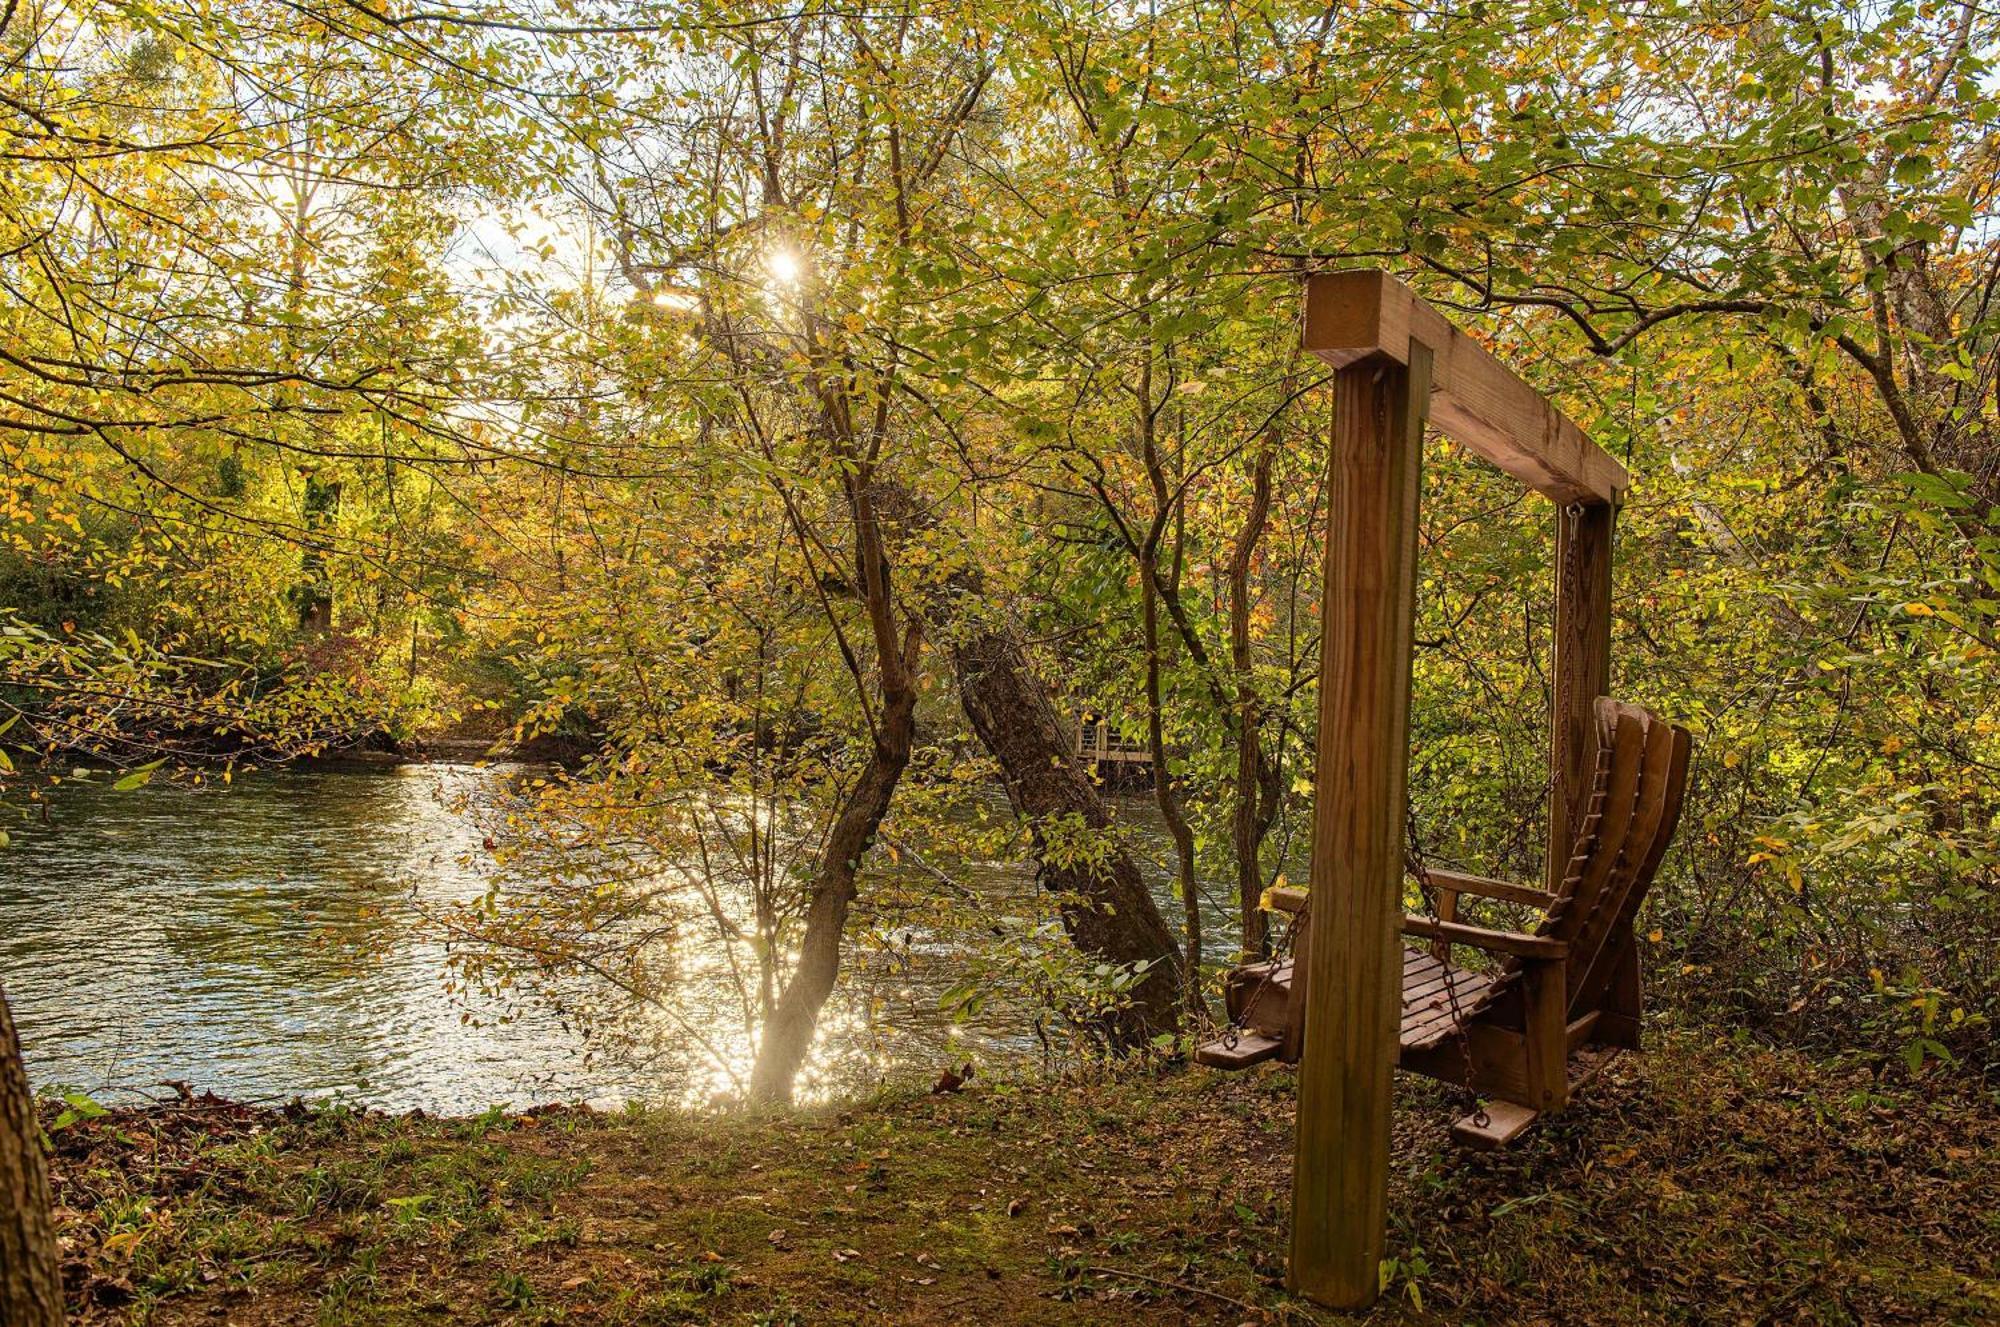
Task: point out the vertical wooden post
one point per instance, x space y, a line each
1354 971
1624 1001
1547 1014
1582 667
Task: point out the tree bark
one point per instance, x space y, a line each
313 595
1250 821
788 1032
1163 783
1105 904
30 1276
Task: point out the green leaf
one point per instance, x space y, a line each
138 777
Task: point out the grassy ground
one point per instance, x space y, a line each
1698 1183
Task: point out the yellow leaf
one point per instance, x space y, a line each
122 1244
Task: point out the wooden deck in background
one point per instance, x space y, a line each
1098 743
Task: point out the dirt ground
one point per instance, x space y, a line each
1701 1182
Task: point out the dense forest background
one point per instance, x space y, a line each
797 411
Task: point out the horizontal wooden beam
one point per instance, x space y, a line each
1474 397
1517 943
1458 882
1285 898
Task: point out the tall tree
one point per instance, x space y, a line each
30 1277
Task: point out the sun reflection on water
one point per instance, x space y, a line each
266 941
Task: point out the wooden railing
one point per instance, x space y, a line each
1097 741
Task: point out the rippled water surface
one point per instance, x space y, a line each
265 940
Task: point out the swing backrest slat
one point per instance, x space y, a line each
1662 789
1637 787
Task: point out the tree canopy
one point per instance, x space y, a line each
732 391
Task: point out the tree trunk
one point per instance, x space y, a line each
30 1277
1163 783
1106 908
313 596
788 1032
1249 822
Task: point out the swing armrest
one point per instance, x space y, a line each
1493 942
1458 882
1285 898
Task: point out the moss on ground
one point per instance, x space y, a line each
1698 1183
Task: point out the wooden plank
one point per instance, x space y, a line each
1295 1005
1419 1006
1503 1122
1609 929
1547 1025
1421 978
1663 784
1580 1030
1583 916
1267 1007
1353 971
1491 1060
1286 898
1445 908
1442 1013
1469 988
1477 399
1240 1052
1425 986
1582 672
1625 1000
1480 937
1459 882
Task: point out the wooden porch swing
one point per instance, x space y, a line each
1354 1002
1562 1000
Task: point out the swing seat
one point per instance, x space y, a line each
1555 1004
1258 997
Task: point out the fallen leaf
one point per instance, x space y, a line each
122 1244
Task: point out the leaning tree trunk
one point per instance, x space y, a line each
1106 908
788 1032
30 1278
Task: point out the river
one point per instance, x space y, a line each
266 940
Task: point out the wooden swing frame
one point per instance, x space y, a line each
1400 364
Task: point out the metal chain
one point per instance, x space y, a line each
1566 674
1232 1034
1565 684
1416 865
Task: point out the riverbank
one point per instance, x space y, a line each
1699 1182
